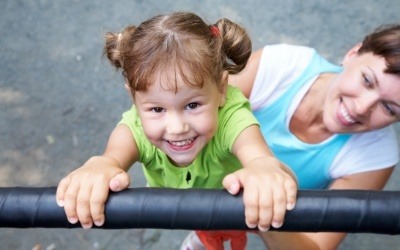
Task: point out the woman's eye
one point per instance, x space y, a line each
388 108
192 105
157 110
367 82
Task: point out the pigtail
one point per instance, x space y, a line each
236 45
114 44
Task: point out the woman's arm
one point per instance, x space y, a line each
285 240
244 80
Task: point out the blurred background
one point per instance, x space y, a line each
59 99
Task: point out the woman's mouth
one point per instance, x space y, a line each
345 117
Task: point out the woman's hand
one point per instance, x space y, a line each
83 192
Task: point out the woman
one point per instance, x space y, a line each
330 124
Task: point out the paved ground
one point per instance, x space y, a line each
59 100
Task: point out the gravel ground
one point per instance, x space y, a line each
59 99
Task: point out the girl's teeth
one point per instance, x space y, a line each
181 143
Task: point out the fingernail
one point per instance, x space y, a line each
99 223
276 224
251 225
290 206
87 225
263 229
60 203
72 220
230 189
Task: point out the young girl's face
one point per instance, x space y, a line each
181 122
363 97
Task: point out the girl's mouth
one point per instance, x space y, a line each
182 143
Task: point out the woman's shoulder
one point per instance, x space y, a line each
286 58
279 66
289 50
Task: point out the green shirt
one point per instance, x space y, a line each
214 161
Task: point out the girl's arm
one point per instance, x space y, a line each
84 191
269 186
285 240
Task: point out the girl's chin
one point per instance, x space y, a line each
181 162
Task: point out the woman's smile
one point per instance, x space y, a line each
344 117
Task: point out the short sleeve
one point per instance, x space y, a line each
279 66
367 152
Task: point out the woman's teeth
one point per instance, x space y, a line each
346 115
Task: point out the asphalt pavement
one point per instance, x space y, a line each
59 99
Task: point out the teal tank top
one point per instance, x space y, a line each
310 162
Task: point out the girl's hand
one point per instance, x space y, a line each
269 190
83 192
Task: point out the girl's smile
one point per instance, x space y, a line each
179 122
182 145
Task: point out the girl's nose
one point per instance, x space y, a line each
176 125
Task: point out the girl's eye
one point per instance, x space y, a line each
192 105
157 110
388 108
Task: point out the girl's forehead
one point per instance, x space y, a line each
179 85
172 78
158 93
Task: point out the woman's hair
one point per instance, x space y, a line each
181 42
385 42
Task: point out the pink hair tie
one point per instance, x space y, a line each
215 31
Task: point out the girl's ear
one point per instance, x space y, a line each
223 88
352 52
128 89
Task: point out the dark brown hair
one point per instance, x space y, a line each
385 42
182 42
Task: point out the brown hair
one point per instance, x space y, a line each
183 41
385 42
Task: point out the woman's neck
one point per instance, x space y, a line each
307 121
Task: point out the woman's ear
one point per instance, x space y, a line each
223 88
352 52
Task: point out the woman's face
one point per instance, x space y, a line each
363 97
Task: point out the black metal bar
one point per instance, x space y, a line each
353 211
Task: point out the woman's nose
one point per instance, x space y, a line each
366 102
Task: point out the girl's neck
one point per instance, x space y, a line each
307 121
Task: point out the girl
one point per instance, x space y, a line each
187 126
